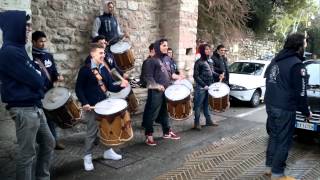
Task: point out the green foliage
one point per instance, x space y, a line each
314 36
259 16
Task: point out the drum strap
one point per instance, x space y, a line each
43 68
99 78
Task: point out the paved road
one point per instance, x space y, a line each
233 150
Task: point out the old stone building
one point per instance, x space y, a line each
69 23
68 27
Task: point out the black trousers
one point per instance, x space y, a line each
155 110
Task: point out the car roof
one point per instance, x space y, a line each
312 61
254 61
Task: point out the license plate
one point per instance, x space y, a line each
307 126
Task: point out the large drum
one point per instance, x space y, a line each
178 102
219 96
115 123
128 95
123 55
60 107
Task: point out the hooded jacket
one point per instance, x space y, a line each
22 84
157 70
286 80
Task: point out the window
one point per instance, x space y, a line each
246 68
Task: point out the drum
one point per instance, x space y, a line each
123 55
127 94
114 122
178 102
185 82
59 106
219 96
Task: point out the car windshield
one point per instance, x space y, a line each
314 74
249 68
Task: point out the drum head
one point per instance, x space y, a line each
185 82
120 47
177 92
218 90
123 94
110 106
55 98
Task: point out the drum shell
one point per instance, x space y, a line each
181 109
65 116
115 129
133 103
125 61
219 104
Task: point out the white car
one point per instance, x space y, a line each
247 82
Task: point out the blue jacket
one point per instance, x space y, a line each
286 82
88 90
22 84
47 59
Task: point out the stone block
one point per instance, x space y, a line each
122 4
133 5
60 57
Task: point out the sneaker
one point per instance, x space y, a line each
171 135
110 154
87 161
149 141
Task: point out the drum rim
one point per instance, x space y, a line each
120 52
182 85
44 102
119 111
110 93
221 83
184 80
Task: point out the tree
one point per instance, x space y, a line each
222 20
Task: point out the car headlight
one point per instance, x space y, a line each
236 87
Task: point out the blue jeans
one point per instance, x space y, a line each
201 100
155 110
280 127
31 129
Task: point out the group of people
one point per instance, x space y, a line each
25 81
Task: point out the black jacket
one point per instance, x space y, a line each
47 59
87 89
286 80
221 66
109 27
22 83
202 72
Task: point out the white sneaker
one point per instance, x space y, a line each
110 154
87 161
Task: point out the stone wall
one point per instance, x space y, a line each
180 28
68 25
251 48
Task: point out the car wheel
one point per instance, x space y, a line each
255 99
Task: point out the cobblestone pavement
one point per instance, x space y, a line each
242 157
